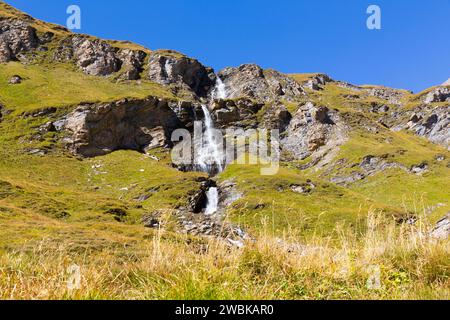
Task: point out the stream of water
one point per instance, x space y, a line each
211 154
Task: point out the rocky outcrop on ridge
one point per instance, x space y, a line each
311 127
170 67
16 37
251 81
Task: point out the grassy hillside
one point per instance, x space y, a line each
58 209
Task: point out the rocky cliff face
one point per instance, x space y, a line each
16 37
98 129
251 81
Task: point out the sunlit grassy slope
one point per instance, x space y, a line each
57 209
61 85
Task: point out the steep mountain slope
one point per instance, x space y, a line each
85 128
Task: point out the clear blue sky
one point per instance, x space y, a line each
412 50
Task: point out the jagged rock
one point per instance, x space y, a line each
317 81
345 180
135 124
197 201
16 37
310 128
239 113
420 168
95 57
391 95
431 123
442 229
303 188
440 94
251 81
152 220
276 116
170 67
16 79
228 194
377 108
132 63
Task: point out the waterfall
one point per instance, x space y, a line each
212 203
220 91
210 157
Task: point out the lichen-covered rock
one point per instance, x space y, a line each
169 67
16 37
251 81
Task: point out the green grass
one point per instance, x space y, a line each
59 86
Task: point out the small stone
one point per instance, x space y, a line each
15 80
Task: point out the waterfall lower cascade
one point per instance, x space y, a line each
212 201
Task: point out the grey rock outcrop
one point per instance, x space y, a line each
98 129
94 57
170 67
99 58
439 94
132 63
16 37
311 128
236 113
251 81
431 123
317 81
442 228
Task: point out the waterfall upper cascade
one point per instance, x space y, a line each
220 90
210 155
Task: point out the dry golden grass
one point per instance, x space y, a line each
411 265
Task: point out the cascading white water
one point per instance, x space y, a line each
210 156
220 91
212 201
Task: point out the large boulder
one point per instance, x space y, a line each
170 67
16 37
251 81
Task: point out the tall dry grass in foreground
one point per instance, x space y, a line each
387 262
